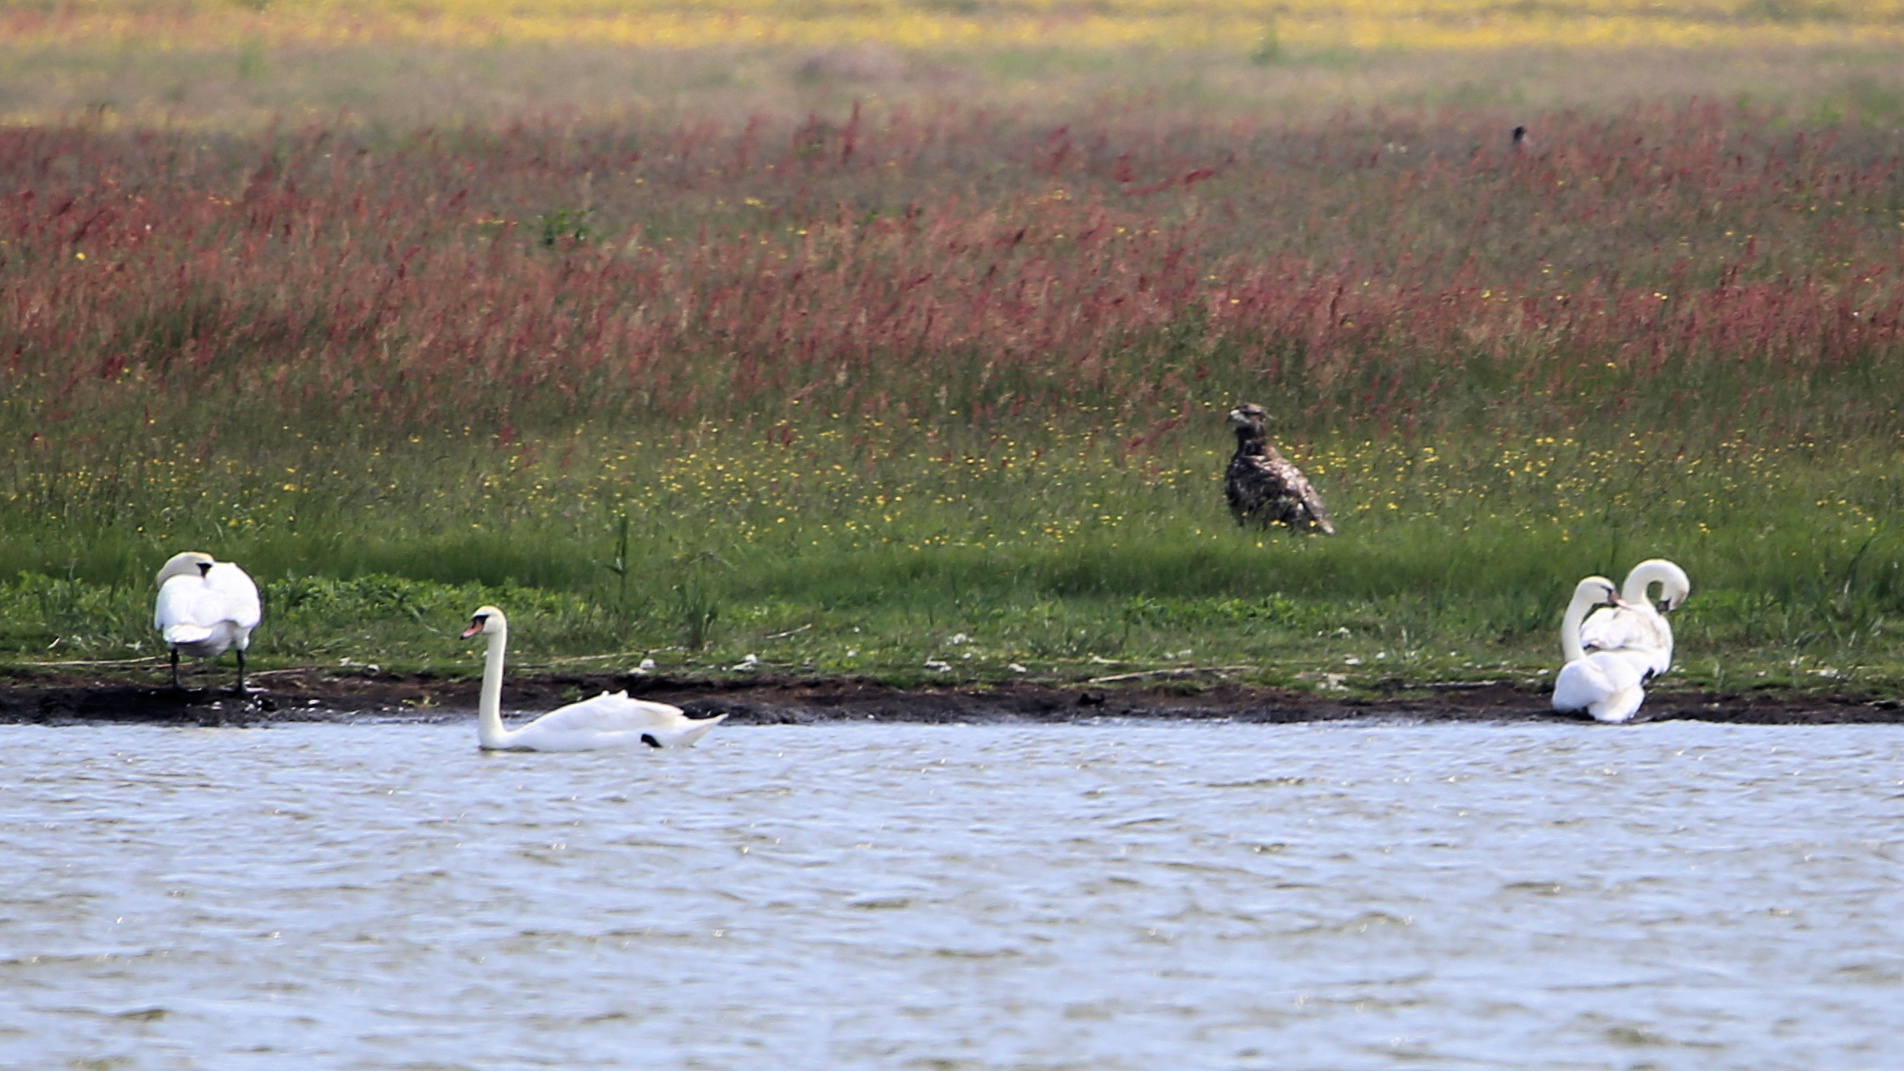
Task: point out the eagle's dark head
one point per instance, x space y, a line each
1249 419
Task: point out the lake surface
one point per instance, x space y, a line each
1102 896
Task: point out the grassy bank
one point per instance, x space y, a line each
877 387
950 569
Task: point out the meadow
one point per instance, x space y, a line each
882 373
951 24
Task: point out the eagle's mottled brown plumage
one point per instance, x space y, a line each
1262 486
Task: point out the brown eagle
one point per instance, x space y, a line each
1262 486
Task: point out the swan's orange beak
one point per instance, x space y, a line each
475 629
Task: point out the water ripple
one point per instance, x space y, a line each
1125 896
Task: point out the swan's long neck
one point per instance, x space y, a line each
1637 588
1570 648
1639 582
1633 589
489 729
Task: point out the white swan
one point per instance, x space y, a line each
608 720
1605 684
205 608
1639 627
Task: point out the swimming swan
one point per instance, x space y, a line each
205 608
1605 684
602 722
1639 627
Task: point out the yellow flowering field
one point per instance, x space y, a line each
1222 25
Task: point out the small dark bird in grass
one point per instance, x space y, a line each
1262 486
1520 139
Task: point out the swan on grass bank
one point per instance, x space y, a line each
1606 684
608 720
1639 628
205 608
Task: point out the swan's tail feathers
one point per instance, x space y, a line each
185 635
692 731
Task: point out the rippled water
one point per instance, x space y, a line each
1675 895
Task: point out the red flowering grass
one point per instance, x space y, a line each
1383 273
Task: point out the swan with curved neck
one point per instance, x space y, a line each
205 608
606 721
1605 684
1639 627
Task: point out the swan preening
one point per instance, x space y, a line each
608 720
205 608
1638 627
1606 684
1612 654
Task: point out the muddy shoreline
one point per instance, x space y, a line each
313 695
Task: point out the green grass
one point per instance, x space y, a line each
1019 566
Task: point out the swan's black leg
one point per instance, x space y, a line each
175 680
241 671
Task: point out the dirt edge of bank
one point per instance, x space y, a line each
311 695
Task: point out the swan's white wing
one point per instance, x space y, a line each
237 595
1577 686
662 714
1619 706
192 617
177 603
1636 632
606 713
669 724
205 616
1613 628
611 720
1606 685
1664 653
